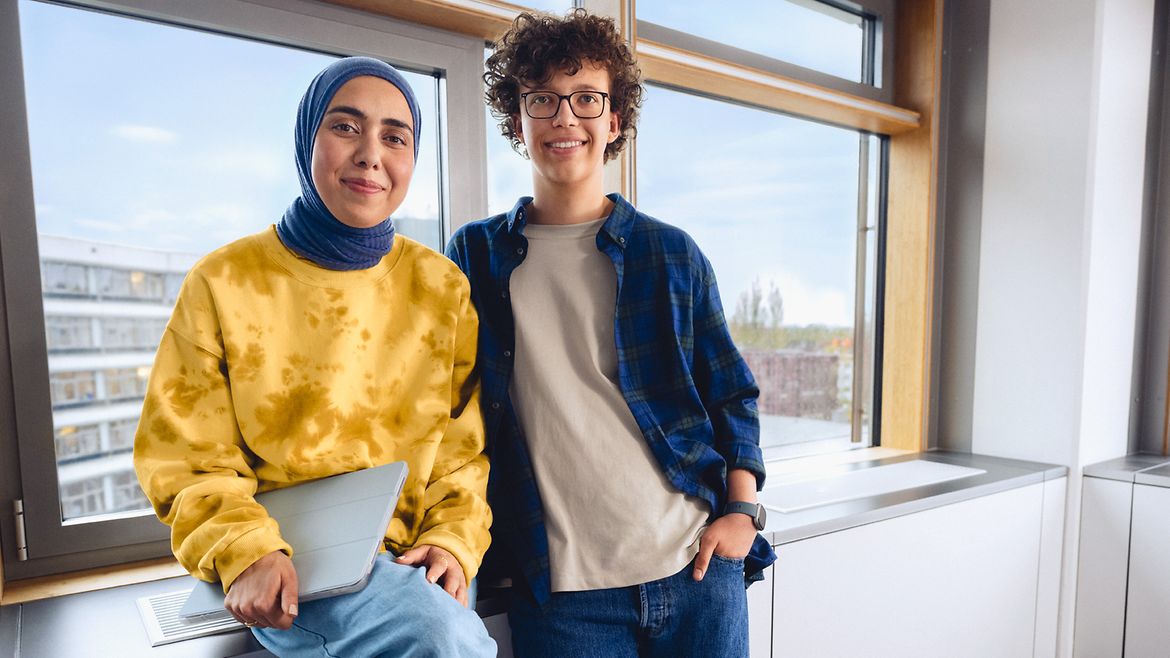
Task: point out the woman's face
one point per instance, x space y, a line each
363 154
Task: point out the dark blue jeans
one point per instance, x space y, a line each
673 616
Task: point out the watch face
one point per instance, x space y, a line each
761 517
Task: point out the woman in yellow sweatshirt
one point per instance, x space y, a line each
322 345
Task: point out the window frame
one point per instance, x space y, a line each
1149 422
27 470
877 60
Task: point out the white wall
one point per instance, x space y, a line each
1067 98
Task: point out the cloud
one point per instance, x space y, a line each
248 163
806 304
145 134
99 225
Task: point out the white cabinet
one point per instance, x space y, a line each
1147 621
759 601
957 580
1099 628
1123 570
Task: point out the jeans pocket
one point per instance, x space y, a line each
732 562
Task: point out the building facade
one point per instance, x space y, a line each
106 307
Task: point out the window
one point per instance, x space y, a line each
554 6
68 333
188 147
509 174
69 388
798 294
122 383
64 278
817 35
845 46
110 264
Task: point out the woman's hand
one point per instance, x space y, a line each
442 568
265 594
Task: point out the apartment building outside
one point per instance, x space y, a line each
106 307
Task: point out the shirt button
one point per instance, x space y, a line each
503 295
622 240
495 405
507 353
520 250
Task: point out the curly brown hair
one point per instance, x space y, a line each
538 46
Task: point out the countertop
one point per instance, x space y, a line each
998 474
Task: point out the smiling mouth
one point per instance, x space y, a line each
362 186
566 144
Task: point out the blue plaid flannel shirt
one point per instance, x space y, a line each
689 389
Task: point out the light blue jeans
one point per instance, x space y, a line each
398 613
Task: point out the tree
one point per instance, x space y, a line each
757 318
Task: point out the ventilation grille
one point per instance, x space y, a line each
160 614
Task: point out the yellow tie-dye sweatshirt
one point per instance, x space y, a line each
274 371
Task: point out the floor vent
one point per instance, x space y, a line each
160 614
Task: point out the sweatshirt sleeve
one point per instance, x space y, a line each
189 454
457 517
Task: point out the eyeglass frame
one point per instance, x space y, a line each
561 98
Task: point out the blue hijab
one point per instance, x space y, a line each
307 227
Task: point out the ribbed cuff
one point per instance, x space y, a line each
244 551
455 545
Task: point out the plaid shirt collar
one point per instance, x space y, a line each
617 226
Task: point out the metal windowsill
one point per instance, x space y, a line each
1000 474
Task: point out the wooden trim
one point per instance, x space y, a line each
910 233
672 66
486 19
33 589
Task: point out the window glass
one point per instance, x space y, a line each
509 174
156 146
558 7
773 201
804 32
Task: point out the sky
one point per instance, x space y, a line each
171 138
180 140
827 40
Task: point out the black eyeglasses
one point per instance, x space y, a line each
546 104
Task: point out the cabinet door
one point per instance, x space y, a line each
1099 630
956 581
759 600
1147 607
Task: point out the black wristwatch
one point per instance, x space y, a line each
754 510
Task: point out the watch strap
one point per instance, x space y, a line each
751 509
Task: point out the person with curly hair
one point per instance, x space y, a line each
621 420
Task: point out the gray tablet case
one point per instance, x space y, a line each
335 525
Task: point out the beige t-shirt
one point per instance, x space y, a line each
612 517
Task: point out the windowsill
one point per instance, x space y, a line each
1005 473
847 501
75 582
